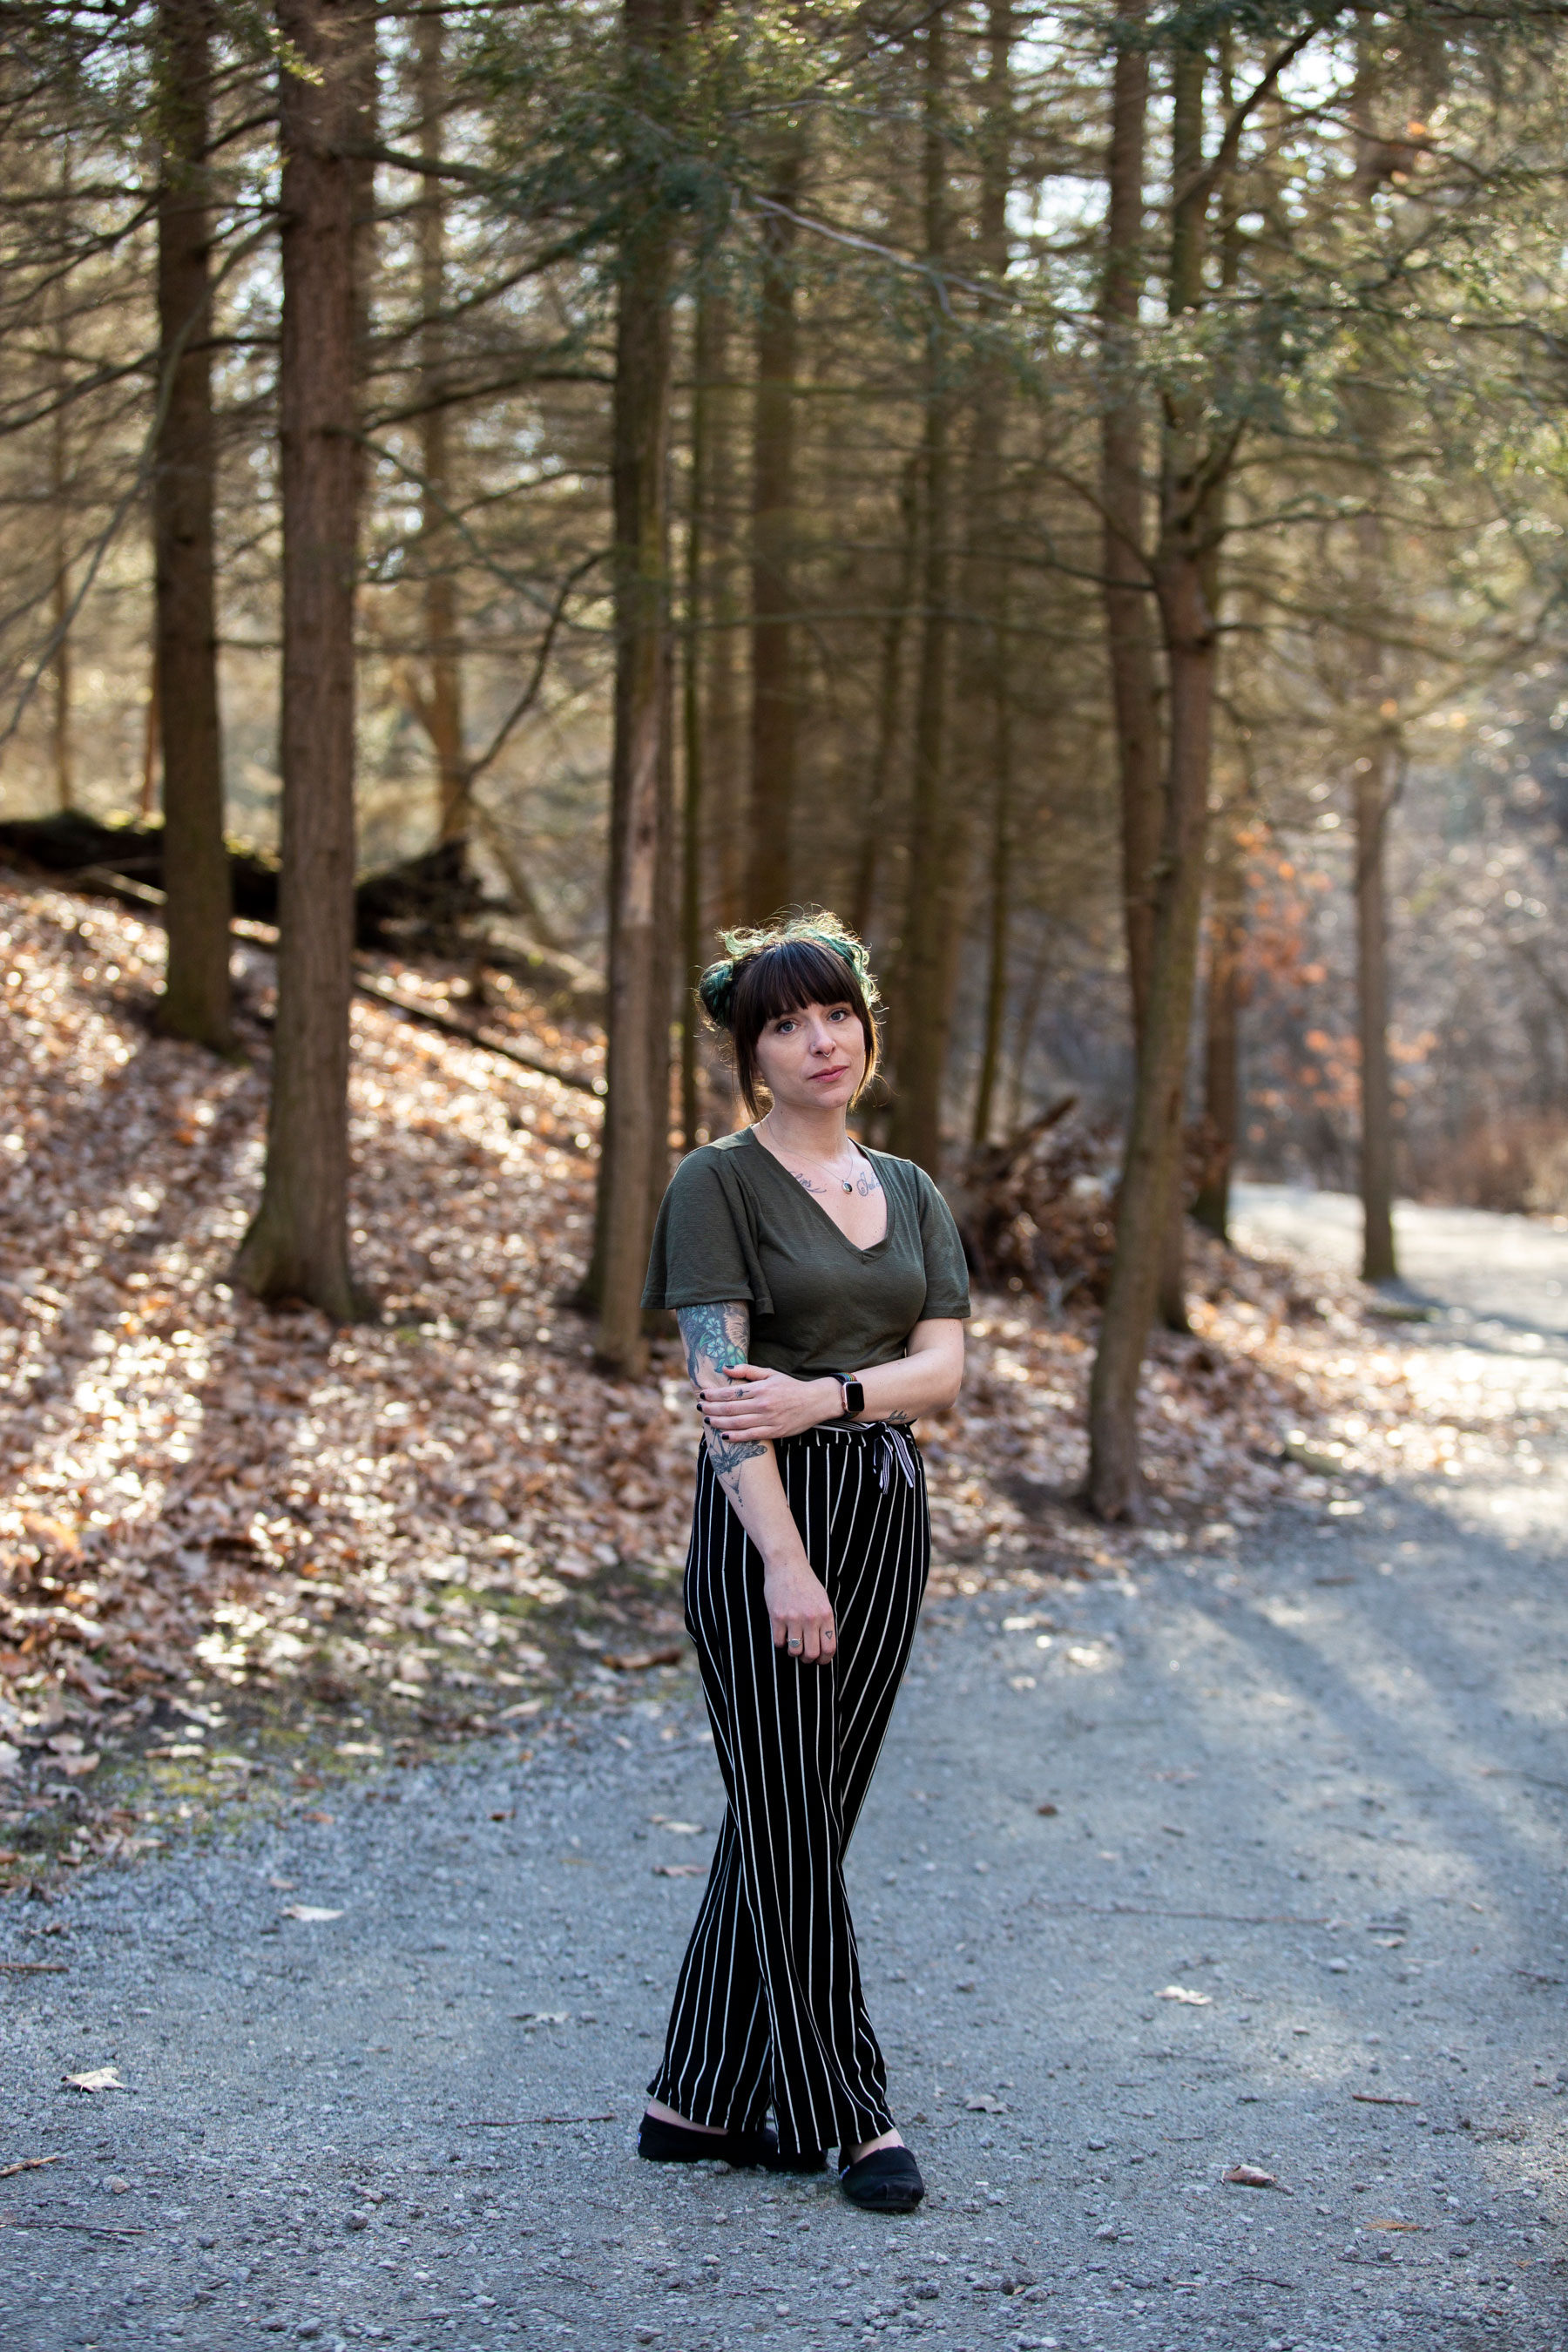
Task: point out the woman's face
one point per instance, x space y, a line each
815 1059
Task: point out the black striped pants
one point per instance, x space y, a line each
769 2008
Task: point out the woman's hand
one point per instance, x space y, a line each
801 1611
758 1403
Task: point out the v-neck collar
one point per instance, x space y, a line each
870 1249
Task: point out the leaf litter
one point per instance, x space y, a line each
221 1515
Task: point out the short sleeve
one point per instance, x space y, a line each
947 1272
704 1250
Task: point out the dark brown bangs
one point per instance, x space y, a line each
789 977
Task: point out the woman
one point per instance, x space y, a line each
819 1289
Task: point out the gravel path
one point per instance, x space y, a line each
1253 1857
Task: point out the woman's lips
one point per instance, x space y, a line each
841 1072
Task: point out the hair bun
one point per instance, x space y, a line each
717 990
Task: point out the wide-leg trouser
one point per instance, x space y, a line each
769 2006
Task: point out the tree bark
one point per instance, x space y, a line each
1374 776
1375 772
441 706
1183 567
1000 924
636 1108
933 906
195 1001
1154 1143
62 750
298 1245
889 683
985 683
1222 1100
724 718
1128 597
774 525
693 811
1127 593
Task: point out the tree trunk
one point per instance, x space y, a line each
1130 622
152 748
774 524
985 683
636 1108
1128 600
441 706
1183 565
693 812
195 999
1001 918
1154 1143
936 885
298 1245
724 756
1222 1101
60 746
890 681
1374 773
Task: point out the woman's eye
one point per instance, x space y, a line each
839 1012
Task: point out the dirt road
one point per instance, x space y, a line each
1252 1858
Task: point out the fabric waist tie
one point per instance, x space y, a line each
891 1439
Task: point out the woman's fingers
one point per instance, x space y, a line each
811 1640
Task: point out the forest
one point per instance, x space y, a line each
494 497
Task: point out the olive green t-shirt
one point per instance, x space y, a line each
736 1224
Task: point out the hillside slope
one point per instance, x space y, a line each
446 1517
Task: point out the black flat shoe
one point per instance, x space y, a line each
886 2182
662 2143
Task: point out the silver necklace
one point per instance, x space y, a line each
846 1183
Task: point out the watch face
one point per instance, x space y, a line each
854 1397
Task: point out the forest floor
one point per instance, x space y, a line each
1232 1841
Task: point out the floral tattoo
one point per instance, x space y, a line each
716 1338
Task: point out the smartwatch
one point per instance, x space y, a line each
854 1397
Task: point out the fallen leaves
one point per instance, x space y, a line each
680 1870
1185 1995
209 1498
98 2078
308 1911
1249 2176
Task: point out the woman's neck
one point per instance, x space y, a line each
806 1134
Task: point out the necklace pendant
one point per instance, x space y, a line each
845 1180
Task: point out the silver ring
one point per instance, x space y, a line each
794 1645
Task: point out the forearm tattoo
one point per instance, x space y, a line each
716 1337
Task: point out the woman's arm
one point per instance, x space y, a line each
748 1471
748 1404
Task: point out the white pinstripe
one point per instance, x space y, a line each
768 2007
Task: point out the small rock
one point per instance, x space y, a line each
117 2188
356 2221
1108 2230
